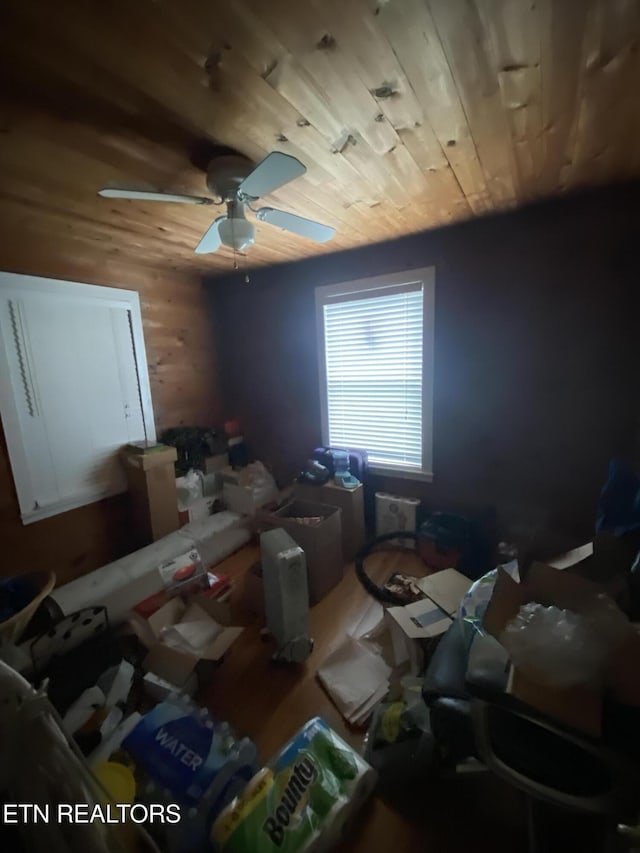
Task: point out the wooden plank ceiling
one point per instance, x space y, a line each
408 114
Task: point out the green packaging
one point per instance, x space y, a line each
301 800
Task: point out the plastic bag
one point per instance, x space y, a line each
476 601
561 648
407 717
183 749
301 800
189 489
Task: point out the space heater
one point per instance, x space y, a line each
286 595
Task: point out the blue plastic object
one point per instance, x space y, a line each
184 749
619 502
15 595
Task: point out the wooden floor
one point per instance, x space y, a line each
270 702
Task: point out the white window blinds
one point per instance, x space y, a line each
373 370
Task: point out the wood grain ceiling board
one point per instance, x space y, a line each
562 33
408 114
608 91
411 31
513 30
464 41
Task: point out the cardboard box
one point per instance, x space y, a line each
160 689
216 464
245 490
351 505
320 541
224 604
175 665
152 486
245 500
409 626
428 618
446 588
146 459
578 706
200 509
152 603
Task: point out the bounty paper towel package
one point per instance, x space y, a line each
301 800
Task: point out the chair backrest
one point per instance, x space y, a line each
552 764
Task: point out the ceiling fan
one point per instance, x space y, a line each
233 179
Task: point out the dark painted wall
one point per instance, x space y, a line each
535 383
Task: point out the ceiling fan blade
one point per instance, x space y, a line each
275 170
141 195
210 241
296 224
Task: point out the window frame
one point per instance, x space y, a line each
13 285
425 276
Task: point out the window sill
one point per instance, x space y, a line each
401 474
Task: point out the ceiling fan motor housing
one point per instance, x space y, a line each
226 173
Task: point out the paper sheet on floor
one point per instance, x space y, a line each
356 677
362 714
446 588
370 624
194 634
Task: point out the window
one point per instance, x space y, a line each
73 389
376 369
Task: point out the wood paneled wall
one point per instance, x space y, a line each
182 368
535 337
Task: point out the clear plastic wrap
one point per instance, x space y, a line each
189 489
561 648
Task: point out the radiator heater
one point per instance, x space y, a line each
286 595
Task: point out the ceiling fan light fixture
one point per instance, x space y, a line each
235 230
237 233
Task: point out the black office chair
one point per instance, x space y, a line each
561 771
446 693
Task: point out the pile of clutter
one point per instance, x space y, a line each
186 627
389 643
341 466
214 472
125 699
241 490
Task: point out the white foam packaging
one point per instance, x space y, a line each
120 585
